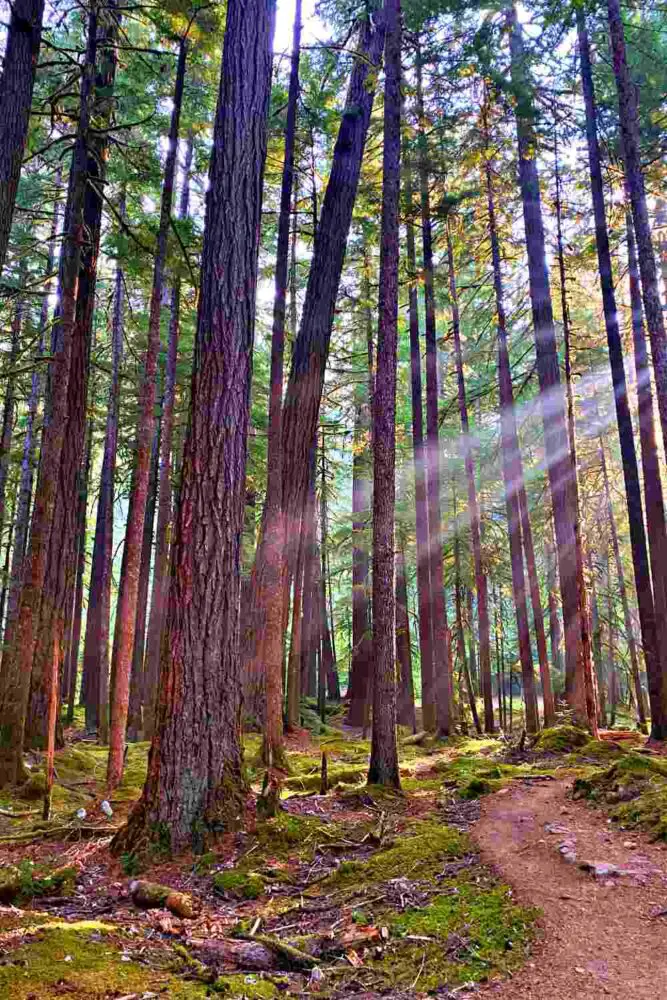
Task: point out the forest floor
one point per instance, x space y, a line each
497 871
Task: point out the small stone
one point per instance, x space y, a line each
68 958
630 844
81 814
106 808
582 972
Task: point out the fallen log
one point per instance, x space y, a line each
152 895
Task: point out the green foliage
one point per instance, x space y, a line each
239 885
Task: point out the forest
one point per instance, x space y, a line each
333 547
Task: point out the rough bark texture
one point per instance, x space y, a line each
551 390
419 460
630 134
623 418
19 67
440 630
73 625
383 768
195 783
126 611
405 698
164 511
20 645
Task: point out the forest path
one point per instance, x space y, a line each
602 937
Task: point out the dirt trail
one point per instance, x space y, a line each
602 937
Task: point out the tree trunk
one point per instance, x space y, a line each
195 784
126 610
596 633
419 459
555 632
294 661
360 668
328 654
20 645
465 669
551 391
96 642
630 135
275 580
17 81
440 630
71 661
164 511
405 700
60 580
300 412
383 769
652 485
9 406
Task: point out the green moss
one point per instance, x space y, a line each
477 787
34 788
95 969
561 739
240 885
336 775
420 853
474 932
635 789
285 832
252 987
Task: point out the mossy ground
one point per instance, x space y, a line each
380 867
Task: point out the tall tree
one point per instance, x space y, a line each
126 611
195 783
383 768
17 81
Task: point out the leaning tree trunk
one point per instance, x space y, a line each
630 135
513 480
126 610
19 68
653 490
556 442
20 644
419 459
440 630
383 768
195 784
300 414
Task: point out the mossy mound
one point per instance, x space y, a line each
464 934
253 987
420 853
239 885
27 881
635 788
600 750
561 739
352 775
85 960
477 787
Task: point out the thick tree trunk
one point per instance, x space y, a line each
652 485
59 584
383 769
126 610
195 784
439 627
405 699
481 584
96 643
419 459
164 510
551 391
20 645
630 134
19 68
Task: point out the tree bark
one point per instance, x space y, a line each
405 700
551 391
653 489
440 630
71 663
9 406
630 134
195 784
383 768
419 459
126 610
20 645
17 81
